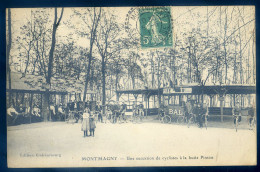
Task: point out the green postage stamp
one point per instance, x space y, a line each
155 27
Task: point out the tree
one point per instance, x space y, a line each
133 68
50 64
53 43
107 45
9 46
91 19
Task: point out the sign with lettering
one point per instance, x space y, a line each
174 110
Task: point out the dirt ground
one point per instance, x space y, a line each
60 144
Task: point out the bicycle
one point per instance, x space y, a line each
192 119
114 118
180 119
252 123
236 121
164 118
206 121
135 117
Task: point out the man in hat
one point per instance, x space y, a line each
201 112
11 115
237 113
98 111
251 115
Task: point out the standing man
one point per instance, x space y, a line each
251 115
237 113
70 109
123 110
201 112
98 111
53 112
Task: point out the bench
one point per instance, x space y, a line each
152 111
215 111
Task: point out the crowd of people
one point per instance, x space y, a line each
23 115
199 113
190 111
115 113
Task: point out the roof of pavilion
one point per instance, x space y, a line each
195 90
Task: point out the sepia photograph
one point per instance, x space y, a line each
131 86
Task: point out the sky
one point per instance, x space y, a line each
183 20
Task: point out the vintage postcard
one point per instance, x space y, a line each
131 86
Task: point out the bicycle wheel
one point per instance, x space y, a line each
206 122
112 119
160 117
180 119
190 121
138 119
166 119
134 118
236 125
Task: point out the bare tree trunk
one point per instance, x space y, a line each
116 83
9 45
92 40
152 71
225 49
253 55
46 112
103 85
53 42
45 106
240 57
235 66
158 77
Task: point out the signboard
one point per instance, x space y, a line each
168 90
177 90
174 110
186 90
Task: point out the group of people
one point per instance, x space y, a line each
191 110
199 111
73 110
237 114
138 112
23 115
57 113
116 113
88 123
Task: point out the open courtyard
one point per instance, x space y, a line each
56 144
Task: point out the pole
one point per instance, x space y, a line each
221 106
146 103
30 112
148 97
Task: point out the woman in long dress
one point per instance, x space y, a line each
85 122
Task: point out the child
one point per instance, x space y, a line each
92 125
85 122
